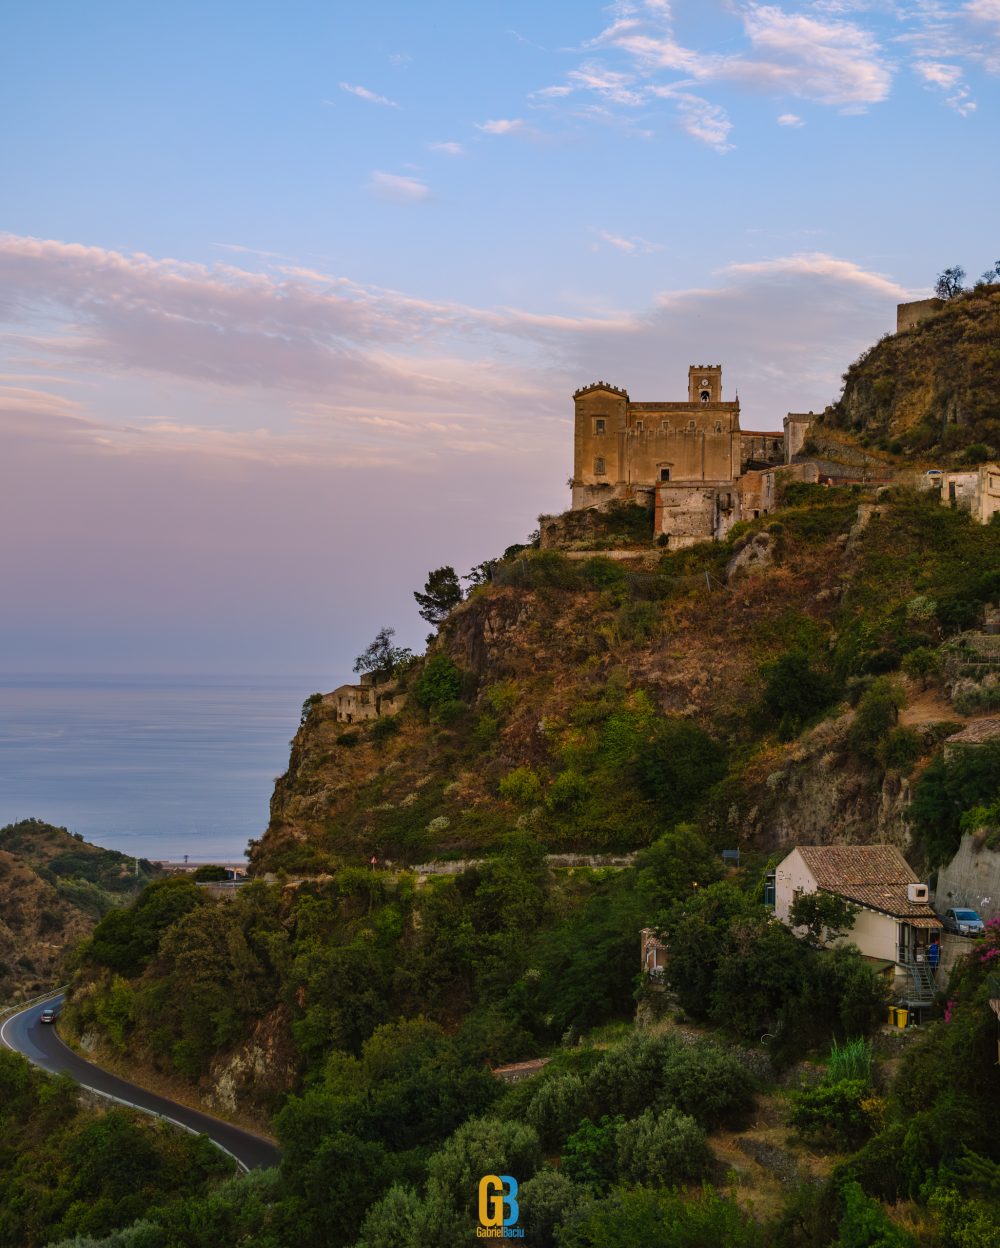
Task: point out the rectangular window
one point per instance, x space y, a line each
600 424
664 474
639 426
599 468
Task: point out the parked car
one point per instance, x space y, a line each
47 1016
963 922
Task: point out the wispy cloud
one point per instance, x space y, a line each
790 119
448 148
708 123
300 357
364 94
634 245
398 187
827 52
512 125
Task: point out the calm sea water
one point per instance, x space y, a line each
153 766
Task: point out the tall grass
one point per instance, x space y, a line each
851 1060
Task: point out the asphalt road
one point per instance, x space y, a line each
40 1044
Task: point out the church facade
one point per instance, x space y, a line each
688 460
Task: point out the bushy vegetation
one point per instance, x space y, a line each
733 965
931 389
952 787
69 1172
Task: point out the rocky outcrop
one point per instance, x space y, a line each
259 1072
754 556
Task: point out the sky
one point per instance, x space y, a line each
293 298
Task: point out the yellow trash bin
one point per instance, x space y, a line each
892 1016
902 1017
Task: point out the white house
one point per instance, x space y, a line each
895 922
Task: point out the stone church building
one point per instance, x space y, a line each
688 460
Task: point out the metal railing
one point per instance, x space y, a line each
20 1006
17 1006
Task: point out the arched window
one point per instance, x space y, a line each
705 395
718 426
599 468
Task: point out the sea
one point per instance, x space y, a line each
159 767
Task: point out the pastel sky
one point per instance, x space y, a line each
293 298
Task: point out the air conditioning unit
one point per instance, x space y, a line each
917 892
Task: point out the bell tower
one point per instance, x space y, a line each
705 383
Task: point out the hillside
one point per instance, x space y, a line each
930 391
54 887
556 699
794 683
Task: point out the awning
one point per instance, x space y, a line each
918 922
879 965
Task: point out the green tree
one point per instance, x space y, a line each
677 765
875 717
949 283
665 1148
921 664
442 593
952 784
590 1155
481 1146
794 691
381 659
825 916
439 684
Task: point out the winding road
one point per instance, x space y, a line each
39 1043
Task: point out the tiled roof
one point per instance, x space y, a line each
875 876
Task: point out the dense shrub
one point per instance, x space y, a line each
678 764
795 692
125 940
865 1224
662 1149
546 1200
440 682
590 1154
951 785
707 1083
522 785
875 717
660 1219
837 1113
556 1108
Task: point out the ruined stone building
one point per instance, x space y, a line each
688 460
369 699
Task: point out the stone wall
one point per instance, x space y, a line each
972 879
910 314
796 430
688 514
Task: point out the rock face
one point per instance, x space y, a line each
931 388
258 1073
821 795
752 558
